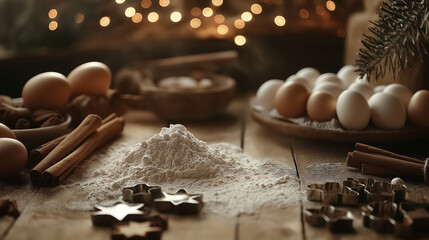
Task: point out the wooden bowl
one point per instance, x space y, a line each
34 137
185 105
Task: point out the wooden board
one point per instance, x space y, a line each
366 136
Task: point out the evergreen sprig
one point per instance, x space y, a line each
402 31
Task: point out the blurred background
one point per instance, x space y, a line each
273 38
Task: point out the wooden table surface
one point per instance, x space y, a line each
309 161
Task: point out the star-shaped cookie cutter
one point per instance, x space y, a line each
412 220
337 220
136 231
179 203
373 190
332 193
138 194
119 212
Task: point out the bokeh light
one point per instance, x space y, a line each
246 16
175 16
119 1
222 29
52 13
217 3
256 8
240 40
303 13
219 18
207 12
138 17
146 3
330 5
196 11
320 10
239 24
53 25
79 18
152 17
104 21
130 11
280 21
164 3
195 23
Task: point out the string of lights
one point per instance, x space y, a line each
200 16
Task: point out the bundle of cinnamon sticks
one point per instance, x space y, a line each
379 162
57 158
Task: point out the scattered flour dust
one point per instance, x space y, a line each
231 181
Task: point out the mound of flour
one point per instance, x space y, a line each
231 181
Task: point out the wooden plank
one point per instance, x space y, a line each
322 161
273 222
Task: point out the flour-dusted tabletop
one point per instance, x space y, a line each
53 214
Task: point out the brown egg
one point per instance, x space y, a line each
291 100
13 157
321 106
418 109
48 90
92 78
5 132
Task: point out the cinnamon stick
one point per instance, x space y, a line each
370 149
369 169
58 172
403 167
36 155
86 128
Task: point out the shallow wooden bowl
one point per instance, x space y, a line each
186 105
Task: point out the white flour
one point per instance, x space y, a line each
231 182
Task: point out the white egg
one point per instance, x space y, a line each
363 88
348 74
387 111
329 77
379 88
266 93
399 91
303 81
353 110
308 73
330 87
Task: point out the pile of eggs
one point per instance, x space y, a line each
52 90
13 154
346 96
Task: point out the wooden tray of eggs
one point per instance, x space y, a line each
341 107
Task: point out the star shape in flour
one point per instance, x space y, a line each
107 216
136 230
180 202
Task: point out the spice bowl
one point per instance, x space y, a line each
34 137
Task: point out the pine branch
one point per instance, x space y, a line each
401 32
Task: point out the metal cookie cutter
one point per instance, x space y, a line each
412 219
380 216
332 193
381 191
337 220
179 203
138 194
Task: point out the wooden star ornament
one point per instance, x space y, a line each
179 203
120 212
136 231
